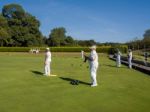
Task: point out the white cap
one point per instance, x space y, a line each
130 50
93 47
47 48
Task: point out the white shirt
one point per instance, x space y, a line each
48 56
94 56
118 55
130 55
82 54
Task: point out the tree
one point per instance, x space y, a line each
57 37
86 42
13 11
3 21
23 27
69 41
4 36
4 31
146 39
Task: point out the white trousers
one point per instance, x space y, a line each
47 68
93 73
118 62
130 62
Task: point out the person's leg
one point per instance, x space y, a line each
48 69
130 63
45 69
90 66
93 75
92 80
119 62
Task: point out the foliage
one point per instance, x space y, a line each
146 39
57 37
13 11
4 31
86 42
137 44
23 28
104 49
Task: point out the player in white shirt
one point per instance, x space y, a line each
47 62
130 58
118 58
93 62
82 54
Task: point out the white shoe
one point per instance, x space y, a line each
52 75
93 85
46 75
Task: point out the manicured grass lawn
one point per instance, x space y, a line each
142 58
24 89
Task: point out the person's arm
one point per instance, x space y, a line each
94 57
50 56
45 62
87 58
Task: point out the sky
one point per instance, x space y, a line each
101 20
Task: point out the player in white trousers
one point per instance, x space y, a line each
82 54
93 62
47 62
118 58
130 58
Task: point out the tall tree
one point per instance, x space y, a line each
57 37
146 39
24 28
4 31
4 36
86 42
13 11
69 41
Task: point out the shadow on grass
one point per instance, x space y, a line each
36 72
70 79
111 66
114 66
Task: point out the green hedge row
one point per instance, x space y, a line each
104 49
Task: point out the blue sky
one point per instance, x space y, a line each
101 20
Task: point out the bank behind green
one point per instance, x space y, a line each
102 49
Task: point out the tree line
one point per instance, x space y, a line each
138 44
20 28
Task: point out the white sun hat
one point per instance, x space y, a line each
47 48
93 47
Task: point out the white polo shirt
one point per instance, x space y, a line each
94 56
48 56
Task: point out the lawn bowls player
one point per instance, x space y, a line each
145 58
47 62
93 62
130 58
118 58
82 54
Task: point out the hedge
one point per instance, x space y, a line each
104 49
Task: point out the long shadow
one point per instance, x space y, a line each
110 65
36 72
70 79
114 66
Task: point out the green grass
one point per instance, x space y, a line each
24 89
142 58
